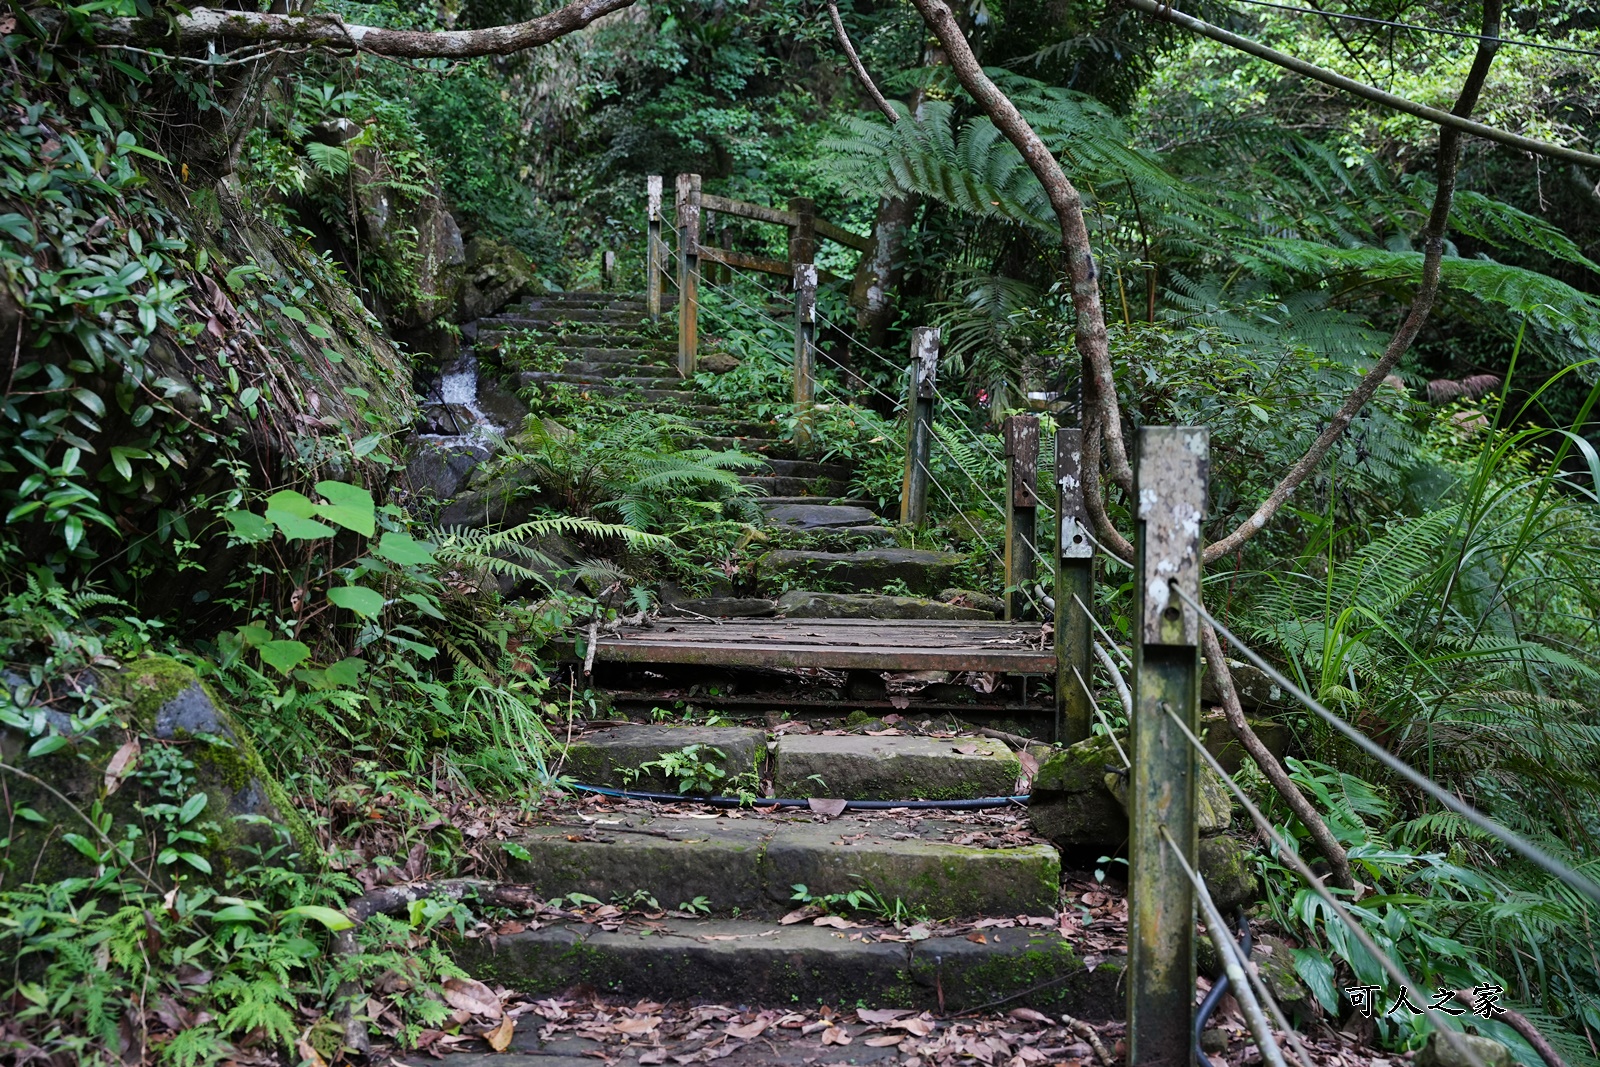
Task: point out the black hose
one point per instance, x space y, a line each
973 804
1218 991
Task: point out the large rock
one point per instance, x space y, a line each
800 604
922 573
856 767
1252 684
161 712
1220 742
494 274
439 470
1072 804
1462 1050
610 755
723 607
818 516
1224 862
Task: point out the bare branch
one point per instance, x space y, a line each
1454 119
1093 344
856 65
1421 304
332 32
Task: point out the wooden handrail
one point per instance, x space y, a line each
747 262
743 209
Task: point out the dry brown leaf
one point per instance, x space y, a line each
919 1026
874 1016
798 915
653 1057
884 1040
500 1037
977 938
471 995
122 762
749 1031
309 1055
638 1024
828 807
835 1035
838 922
1029 1015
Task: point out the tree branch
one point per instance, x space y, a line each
1090 333
856 65
1449 160
1455 119
332 32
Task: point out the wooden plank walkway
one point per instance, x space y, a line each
841 644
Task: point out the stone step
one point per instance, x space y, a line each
774 501
810 468
606 382
802 604
820 488
748 865
922 573
763 964
811 516
492 330
545 316
594 369
582 298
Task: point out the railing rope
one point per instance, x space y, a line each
1074 592
1170 488
919 437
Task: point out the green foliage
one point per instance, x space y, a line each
865 901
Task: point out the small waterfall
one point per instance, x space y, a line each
457 405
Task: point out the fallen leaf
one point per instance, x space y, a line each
638 1024
653 1057
874 1016
121 764
500 1037
1031 1016
309 1055
977 938
835 1035
470 995
749 1031
838 922
798 915
829 808
919 1026
884 1040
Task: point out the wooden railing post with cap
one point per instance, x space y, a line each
805 342
655 261
1074 592
1022 513
919 440
1170 487
688 215
608 270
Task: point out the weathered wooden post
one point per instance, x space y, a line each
805 342
655 261
1170 487
919 439
1022 513
1074 631
688 212
803 235
608 270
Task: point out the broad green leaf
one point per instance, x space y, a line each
347 672
368 603
46 745
253 634
199 863
296 528
284 656
329 917
516 851
292 503
404 549
81 843
248 526
192 808
350 506
425 604
236 913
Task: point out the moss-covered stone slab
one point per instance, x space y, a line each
857 767
869 570
603 756
800 604
945 880
1072 804
763 964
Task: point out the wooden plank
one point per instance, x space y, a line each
844 236
746 210
747 262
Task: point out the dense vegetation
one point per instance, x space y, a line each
216 342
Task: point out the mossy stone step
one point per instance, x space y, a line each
748 865
922 573
892 768
611 381
608 755
544 316
802 604
820 487
763 964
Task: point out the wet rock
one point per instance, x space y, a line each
607 756
446 420
856 767
1072 804
1463 1050
799 604
439 470
920 572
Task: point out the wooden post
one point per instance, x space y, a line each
919 440
654 264
1074 632
608 270
1022 513
688 210
803 236
1170 487
805 342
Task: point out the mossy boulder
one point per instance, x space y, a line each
158 705
1224 862
495 273
1463 1050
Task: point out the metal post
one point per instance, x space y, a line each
1022 513
688 209
803 237
805 341
654 265
1170 487
919 441
1074 632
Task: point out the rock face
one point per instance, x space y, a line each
164 708
1224 862
1249 681
441 470
922 573
854 767
495 274
718 362
799 604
